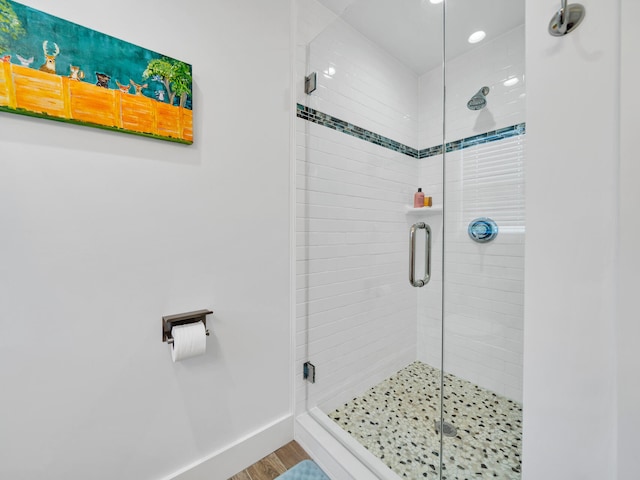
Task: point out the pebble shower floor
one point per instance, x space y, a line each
395 421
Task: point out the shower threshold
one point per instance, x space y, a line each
395 422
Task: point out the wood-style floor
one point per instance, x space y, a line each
274 464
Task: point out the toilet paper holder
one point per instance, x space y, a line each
170 321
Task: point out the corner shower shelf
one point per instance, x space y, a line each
435 210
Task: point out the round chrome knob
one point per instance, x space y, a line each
482 230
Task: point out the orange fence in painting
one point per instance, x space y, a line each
45 93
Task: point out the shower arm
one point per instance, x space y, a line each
564 17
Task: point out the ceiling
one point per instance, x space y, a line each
411 30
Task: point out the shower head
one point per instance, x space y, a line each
478 101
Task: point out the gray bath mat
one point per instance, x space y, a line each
305 470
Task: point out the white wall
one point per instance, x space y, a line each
628 257
104 233
570 276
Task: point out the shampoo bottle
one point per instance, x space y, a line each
418 199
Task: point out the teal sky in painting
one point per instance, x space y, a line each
88 49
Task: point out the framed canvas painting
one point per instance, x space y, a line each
59 70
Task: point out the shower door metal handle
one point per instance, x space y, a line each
412 255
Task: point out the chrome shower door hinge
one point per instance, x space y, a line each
310 83
309 372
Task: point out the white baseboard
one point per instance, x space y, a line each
225 463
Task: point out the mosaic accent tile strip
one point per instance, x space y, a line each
492 136
430 152
395 420
315 116
334 123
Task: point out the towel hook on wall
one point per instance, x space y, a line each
566 19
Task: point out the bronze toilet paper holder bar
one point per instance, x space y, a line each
170 321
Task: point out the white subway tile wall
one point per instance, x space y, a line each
362 84
430 301
430 109
356 318
484 290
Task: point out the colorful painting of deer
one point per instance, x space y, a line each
134 90
49 64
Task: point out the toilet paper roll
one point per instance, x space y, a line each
188 341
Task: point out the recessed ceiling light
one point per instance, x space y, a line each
511 82
435 2
476 37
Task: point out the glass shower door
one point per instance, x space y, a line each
484 231
369 135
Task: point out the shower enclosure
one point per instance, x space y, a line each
410 320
